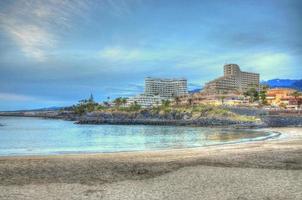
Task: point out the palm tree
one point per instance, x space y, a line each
166 103
106 103
222 97
117 101
124 101
296 95
177 100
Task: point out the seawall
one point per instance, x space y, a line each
282 121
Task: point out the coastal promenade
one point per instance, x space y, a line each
270 169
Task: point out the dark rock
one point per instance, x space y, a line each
282 121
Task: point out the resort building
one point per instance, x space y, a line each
233 80
145 101
167 88
281 97
230 99
157 90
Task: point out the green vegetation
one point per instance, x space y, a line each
296 95
253 94
133 107
120 101
85 105
177 100
262 94
192 111
202 110
89 105
165 103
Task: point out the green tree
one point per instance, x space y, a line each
296 95
166 103
222 97
85 105
177 100
79 109
134 106
118 102
262 95
253 94
106 103
124 101
190 101
90 107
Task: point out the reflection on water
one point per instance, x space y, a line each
34 136
227 136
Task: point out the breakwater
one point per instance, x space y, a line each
282 121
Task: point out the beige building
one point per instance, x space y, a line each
230 99
233 80
279 96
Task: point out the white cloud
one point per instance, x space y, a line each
269 64
33 25
36 26
126 55
33 40
268 59
15 97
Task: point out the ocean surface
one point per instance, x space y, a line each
36 136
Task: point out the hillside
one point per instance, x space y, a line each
285 83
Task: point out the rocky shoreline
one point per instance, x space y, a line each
176 119
204 122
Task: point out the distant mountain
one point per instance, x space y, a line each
298 84
284 83
54 108
194 90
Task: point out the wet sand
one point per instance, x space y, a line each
270 169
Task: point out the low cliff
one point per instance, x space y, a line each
172 118
198 117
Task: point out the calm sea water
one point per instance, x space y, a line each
35 136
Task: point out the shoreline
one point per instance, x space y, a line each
294 138
260 119
78 154
269 169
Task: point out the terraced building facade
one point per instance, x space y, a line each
233 80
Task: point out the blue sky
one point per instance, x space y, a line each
55 52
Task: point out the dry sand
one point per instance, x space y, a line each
269 169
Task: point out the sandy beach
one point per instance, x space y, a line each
270 169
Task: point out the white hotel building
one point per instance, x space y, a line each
157 90
168 88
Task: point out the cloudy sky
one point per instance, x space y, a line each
55 52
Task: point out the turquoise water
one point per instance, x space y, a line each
36 136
